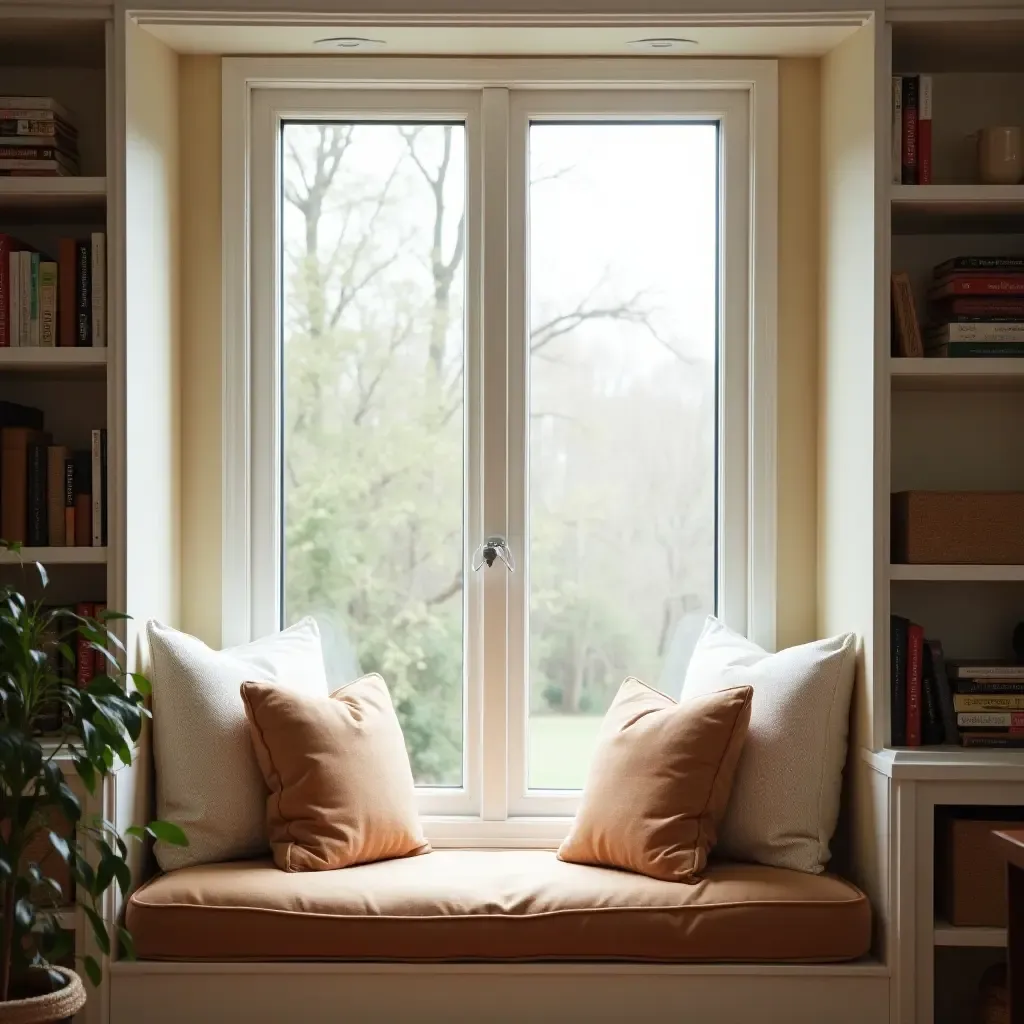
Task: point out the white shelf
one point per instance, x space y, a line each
957 573
957 374
950 935
55 363
56 556
38 193
922 209
947 762
67 917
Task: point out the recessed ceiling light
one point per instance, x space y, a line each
662 43
349 43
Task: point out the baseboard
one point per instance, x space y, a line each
168 993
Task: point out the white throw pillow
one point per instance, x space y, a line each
785 798
207 778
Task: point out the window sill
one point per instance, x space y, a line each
511 834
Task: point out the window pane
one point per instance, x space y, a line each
372 363
622 421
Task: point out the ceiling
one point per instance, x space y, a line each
767 40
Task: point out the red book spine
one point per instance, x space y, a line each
915 658
909 155
101 666
980 284
924 131
84 661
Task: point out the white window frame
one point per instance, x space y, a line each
493 96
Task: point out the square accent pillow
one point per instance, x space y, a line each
785 800
341 787
659 782
207 778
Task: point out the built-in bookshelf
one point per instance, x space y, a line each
73 387
948 425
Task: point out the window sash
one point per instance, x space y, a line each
497 119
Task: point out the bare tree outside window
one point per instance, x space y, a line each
621 429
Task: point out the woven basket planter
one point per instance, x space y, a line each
49 1007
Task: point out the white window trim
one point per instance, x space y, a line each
241 373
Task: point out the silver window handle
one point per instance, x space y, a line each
492 549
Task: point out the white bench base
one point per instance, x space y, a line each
325 993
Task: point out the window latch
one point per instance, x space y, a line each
490 551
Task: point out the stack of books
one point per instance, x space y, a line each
50 495
989 703
37 138
977 308
920 698
45 301
912 130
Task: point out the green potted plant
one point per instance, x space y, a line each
96 727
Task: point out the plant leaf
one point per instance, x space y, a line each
92 968
127 943
60 844
99 929
167 833
24 913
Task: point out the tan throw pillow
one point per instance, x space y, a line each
659 782
341 789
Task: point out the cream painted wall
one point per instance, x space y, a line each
201 362
799 150
199 112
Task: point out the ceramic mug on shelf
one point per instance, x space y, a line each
1000 157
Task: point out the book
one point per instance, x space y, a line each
992 739
38 104
83 302
908 331
9 246
915 653
977 350
101 667
84 661
898 679
984 669
83 499
33 300
56 459
932 728
47 304
25 298
896 153
990 719
977 284
924 130
103 485
38 126
980 263
978 306
908 159
69 502
36 528
943 689
14 480
98 288
32 152
67 331
1012 330
96 464
988 702
988 687
14 297
41 168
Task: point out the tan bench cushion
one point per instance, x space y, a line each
495 905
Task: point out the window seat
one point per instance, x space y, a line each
489 905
